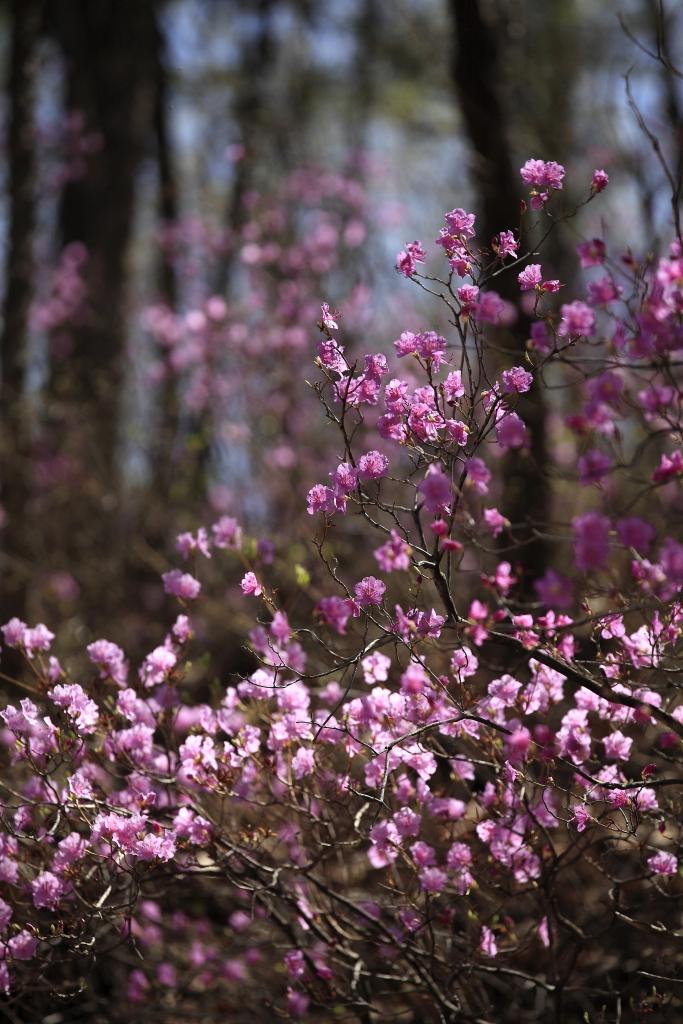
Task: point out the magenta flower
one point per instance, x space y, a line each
516 380
635 533
250 584
511 432
578 320
593 467
408 257
328 319
487 942
320 499
436 490
670 466
495 521
478 475
372 465
47 890
663 863
545 174
78 706
394 555
506 244
530 277
591 541
617 746
600 180
110 660
581 817
227 533
369 591
593 253
453 387
335 612
460 223
181 584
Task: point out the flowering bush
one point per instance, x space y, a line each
433 796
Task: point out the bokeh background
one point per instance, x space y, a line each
184 182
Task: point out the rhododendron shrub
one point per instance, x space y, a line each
235 361
433 797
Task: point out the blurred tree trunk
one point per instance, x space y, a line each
251 116
663 26
477 78
164 468
363 94
110 50
14 426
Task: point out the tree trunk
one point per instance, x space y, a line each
15 570
476 74
110 51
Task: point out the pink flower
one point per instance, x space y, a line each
157 666
530 277
23 946
617 746
487 942
427 345
47 890
181 584
227 533
593 253
491 308
544 174
495 521
511 432
77 705
250 584
635 533
18 634
14 632
453 387
372 465
328 318
320 499
663 864
436 490
303 762
577 319
581 817
432 879
478 475
376 668
506 244
369 591
394 555
593 466
297 1002
554 590
408 257
5 915
516 380
344 478
467 295
187 543
457 432
110 660
68 852
460 223
591 541
600 180
670 466
603 291
335 612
